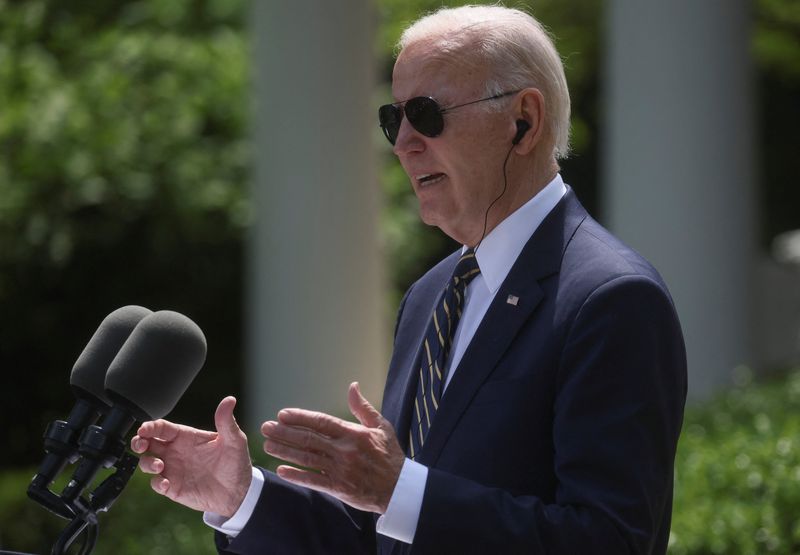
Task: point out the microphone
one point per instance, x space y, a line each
87 382
146 379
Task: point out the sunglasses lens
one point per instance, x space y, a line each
390 117
425 115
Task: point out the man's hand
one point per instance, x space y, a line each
357 464
206 471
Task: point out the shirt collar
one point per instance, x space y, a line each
499 249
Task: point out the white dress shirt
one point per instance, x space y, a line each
496 255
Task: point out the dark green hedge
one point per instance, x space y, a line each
737 485
140 522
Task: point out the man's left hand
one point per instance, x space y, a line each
358 464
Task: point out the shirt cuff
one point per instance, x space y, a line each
232 526
400 519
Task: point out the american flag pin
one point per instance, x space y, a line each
512 300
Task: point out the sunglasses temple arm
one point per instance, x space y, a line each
495 97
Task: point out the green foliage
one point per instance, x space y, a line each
140 522
776 41
123 180
737 488
134 117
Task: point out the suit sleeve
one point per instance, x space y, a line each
293 519
617 413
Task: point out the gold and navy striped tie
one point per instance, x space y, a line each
435 351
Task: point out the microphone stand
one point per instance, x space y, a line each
100 500
70 505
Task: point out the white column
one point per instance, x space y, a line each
314 303
679 165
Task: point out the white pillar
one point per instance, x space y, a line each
679 165
314 303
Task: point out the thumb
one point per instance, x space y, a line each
224 420
362 409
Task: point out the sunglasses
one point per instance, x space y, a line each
423 113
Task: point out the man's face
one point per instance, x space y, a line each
458 174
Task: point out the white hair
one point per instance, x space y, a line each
516 49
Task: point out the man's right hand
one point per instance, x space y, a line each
206 471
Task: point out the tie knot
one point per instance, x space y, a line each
466 268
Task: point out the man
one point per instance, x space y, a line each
535 394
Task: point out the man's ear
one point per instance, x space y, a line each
530 122
522 128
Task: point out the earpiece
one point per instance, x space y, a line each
522 128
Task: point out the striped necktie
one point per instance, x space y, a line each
435 351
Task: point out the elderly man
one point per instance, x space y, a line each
535 394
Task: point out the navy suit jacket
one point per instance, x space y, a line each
557 433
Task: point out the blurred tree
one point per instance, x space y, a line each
123 181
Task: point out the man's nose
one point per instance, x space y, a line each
408 139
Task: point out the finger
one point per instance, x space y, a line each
313 480
298 437
153 446
317 421
362 409
151 465
139 444
159 484
225 421
288 453
165 431
162 429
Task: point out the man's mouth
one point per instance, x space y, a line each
429 178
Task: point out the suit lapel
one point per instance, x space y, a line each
540 258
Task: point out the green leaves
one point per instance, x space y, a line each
777 38
134 116
124 171
737 484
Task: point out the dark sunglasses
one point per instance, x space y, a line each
423 113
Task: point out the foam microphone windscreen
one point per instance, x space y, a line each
156 364
89 372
